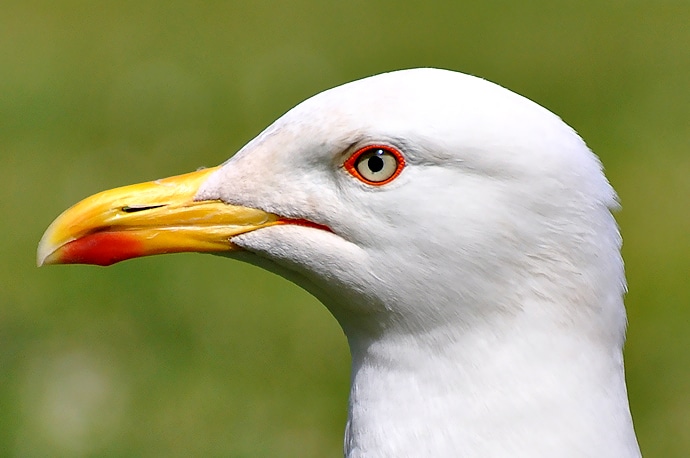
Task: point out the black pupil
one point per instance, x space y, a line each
375 163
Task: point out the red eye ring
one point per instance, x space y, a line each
375 165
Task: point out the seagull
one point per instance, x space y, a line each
461 235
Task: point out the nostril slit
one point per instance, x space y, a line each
139 208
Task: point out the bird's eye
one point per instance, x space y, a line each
376 165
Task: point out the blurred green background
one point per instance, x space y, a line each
192 355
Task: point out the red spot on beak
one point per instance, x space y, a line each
101 248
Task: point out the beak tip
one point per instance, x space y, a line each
44 253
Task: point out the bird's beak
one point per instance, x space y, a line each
144 219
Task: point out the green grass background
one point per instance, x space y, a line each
193 355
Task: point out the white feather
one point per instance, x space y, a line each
481 291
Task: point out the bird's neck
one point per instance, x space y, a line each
489 392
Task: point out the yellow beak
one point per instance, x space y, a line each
145 219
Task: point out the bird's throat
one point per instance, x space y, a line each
497 398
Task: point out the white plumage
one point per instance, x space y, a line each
480 290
